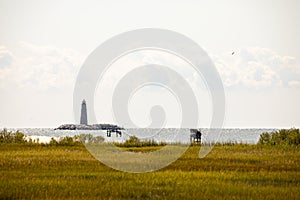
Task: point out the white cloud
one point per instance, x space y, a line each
294 83
257 68
6 57
39 67
48 67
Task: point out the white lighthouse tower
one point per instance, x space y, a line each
83 117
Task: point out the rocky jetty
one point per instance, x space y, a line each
89 127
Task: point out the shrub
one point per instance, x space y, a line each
89 138
98 139
281 137
265 138
134 141
66 141
53 141
10 137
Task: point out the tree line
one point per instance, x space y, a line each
290 137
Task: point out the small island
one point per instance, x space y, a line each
84 123
89 127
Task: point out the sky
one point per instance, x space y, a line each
43 45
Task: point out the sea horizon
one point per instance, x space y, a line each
181 135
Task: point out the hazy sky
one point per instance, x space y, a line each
44 43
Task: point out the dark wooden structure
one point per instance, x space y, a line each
195 136
117 131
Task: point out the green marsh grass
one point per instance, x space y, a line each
33 171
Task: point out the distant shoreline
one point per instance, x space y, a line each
89 127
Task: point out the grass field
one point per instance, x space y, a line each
228 172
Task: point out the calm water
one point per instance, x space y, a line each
166 135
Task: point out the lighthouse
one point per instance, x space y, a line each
83 117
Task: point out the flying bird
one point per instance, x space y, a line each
232 53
